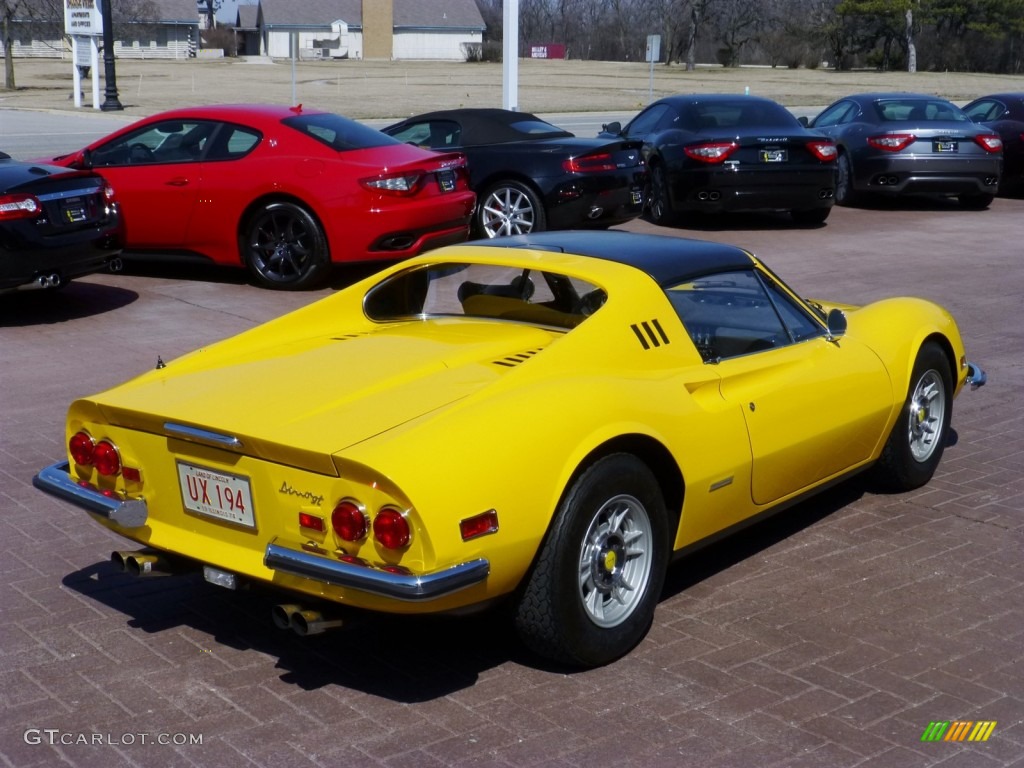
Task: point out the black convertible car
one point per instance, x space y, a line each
55 225
530 175
1003 113
716 153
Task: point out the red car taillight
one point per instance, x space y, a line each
19 207
404 184
81 447
892 142
102 455
823 150
391 529
349 521
595 163
714 152
990 142
106 459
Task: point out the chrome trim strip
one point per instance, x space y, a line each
721 484
203 436
56 480
975 376
428 586
84 192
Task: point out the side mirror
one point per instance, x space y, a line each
613 127
836 324
804 121
86 159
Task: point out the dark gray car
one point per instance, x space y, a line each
911 144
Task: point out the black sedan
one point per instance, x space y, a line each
530 175
1003 113
715 153
55 225
911 144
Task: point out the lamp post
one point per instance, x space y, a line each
109 74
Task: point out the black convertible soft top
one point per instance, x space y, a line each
492 126
668 260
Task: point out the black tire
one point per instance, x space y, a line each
659 200
975 202
918 437
285 248
508 208
845 192
591 594
811 216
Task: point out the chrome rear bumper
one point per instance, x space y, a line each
398 586
56 480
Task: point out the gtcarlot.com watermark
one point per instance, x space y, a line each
57 737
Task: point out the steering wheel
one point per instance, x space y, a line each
141 153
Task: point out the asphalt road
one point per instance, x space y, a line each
829 637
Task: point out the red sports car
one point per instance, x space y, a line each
284 191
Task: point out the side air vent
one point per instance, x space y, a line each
518 359
650 333
350 336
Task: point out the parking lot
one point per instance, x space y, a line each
832 635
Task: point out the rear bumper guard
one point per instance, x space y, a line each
56 480
975 376
408 587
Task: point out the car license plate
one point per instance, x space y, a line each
773 155
212 493
947 146
73 211
446 180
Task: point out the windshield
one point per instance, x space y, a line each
489 291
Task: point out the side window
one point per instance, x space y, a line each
730 314
438 134
985 110
169 141
835 115
647 121
232 142
800 325
417 133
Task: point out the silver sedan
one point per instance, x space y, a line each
911 144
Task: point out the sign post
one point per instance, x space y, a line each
83 22
653 55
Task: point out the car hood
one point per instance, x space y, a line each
299 402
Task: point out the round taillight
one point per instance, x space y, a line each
81 448
348 521
105 459
391 529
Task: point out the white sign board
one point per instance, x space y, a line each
653 48
82 18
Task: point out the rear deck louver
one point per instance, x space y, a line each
518 359
650 334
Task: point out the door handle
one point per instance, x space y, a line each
179 181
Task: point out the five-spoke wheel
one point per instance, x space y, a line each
509 208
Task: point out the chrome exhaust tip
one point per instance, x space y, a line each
142 563
302 621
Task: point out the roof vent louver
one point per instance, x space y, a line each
518 359
650 334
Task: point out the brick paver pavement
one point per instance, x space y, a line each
829 637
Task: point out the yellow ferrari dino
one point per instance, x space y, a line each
548 419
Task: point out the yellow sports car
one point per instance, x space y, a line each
548 419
